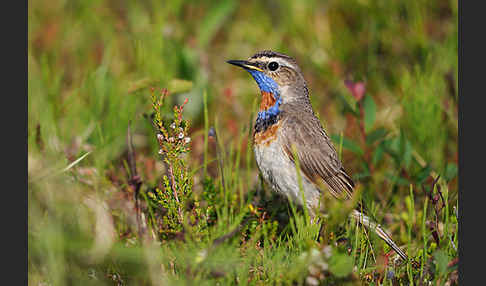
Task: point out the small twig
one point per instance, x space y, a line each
74 163
134 181
451 87
453 262
441 197
434 199
38 137
435 234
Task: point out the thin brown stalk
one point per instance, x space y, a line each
134 180
174 190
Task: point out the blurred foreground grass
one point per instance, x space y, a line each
91 65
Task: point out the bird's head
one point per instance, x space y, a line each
276 74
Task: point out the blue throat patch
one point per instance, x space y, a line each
267 84
267 118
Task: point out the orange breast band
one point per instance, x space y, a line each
268 100
267 136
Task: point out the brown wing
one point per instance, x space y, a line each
318 159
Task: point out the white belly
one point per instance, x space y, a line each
280 173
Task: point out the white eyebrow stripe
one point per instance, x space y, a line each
281 61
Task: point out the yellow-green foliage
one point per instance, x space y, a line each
423 116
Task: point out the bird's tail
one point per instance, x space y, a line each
366 221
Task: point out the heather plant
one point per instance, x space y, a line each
175 195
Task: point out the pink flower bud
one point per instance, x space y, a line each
357 89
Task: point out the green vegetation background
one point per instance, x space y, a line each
91 67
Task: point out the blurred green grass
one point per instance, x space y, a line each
90 67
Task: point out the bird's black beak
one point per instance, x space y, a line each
245 65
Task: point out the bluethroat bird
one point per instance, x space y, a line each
285 127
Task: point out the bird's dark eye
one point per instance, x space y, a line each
273 66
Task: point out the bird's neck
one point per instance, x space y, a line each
271 101
269 113
270 105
